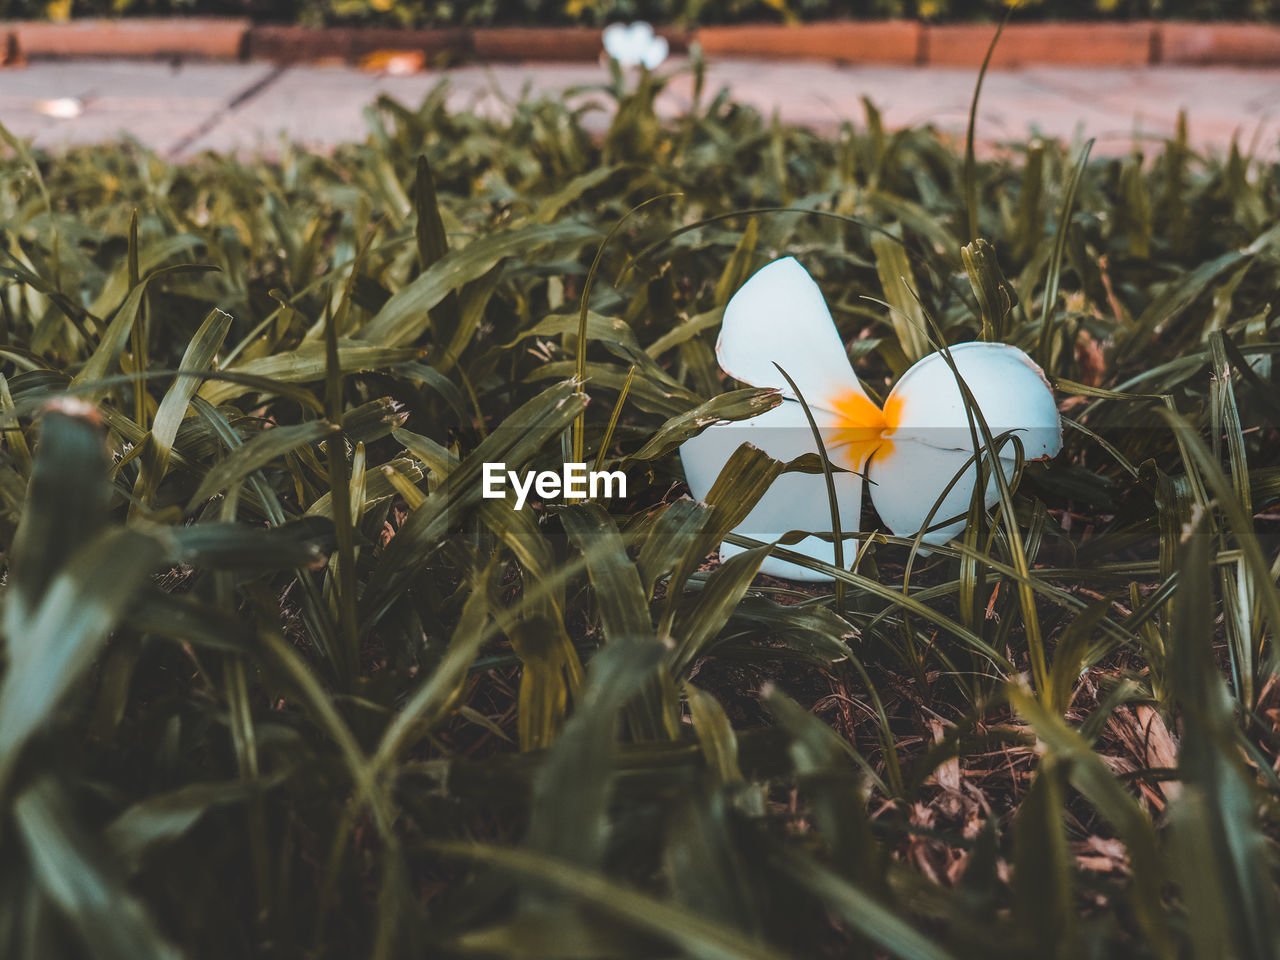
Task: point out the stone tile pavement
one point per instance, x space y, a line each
182 109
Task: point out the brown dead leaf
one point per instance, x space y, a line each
1150 744
928 856
1102 855
947 773
1091 359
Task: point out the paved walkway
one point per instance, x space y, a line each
181 110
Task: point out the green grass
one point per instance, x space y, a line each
278 683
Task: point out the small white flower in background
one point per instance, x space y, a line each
63 108
910 450
635 44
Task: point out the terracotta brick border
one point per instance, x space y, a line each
1240 44
551 43
292 44
1021 44
209 38
880 42
535 43
886 41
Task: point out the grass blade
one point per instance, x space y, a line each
79 881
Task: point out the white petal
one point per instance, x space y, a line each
779 316
655 52
641 33
632 44
1010 390
813 547
632 48
795 501
617 41
909 477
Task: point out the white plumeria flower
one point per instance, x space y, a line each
635 44
910 450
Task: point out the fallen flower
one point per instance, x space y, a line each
911 449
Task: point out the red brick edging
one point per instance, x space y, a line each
290 44
208 38
849 41
1023 44
885 41
1242 44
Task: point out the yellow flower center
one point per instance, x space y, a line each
863 428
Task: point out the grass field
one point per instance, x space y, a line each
278 683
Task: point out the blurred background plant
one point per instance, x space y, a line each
278 683
680 13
